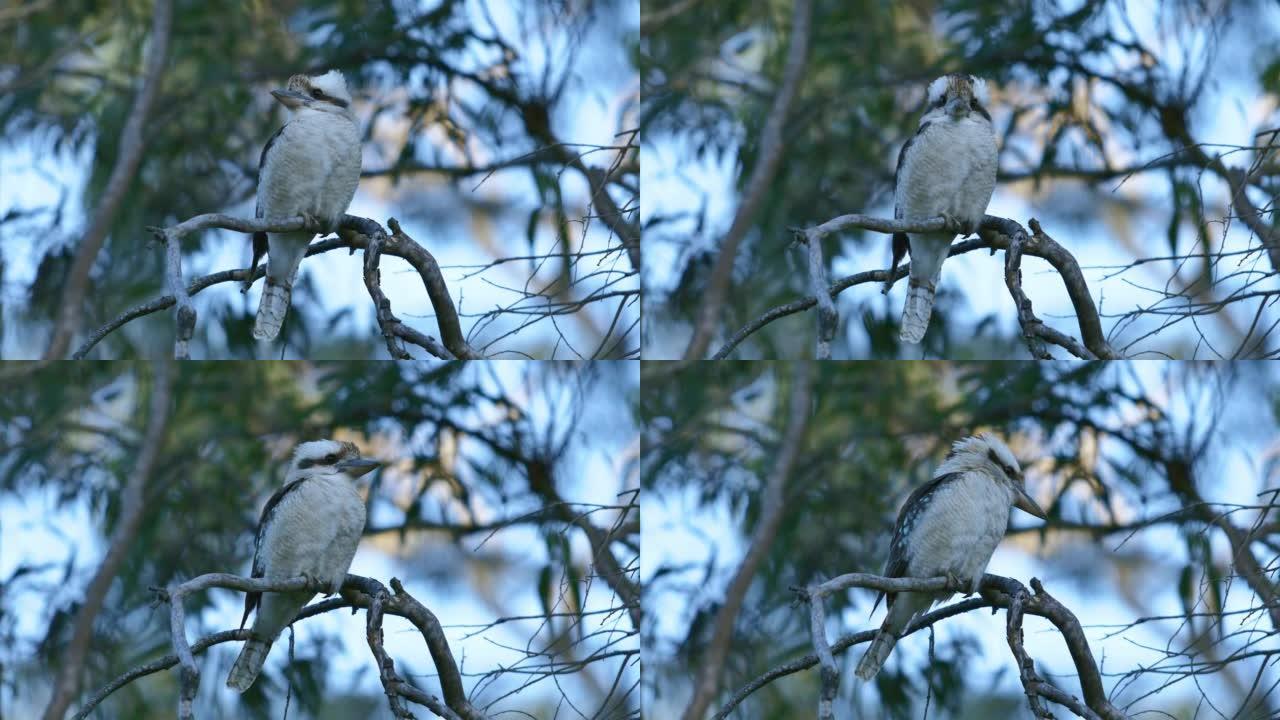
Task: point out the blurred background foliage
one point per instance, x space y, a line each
489 129
1124 127
1150 474
495 476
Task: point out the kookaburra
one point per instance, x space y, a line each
949 527
948 168
310 167
310 527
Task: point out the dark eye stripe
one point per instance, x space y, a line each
312 462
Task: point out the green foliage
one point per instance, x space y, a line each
1074 89
71 73
1096 439
72 431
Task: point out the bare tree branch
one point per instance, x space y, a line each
390 325
392 684
996 233
771 149
997 592
132 142
840 645
358 592
355 234
828 319
773 505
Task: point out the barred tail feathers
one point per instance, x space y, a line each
916 312
271 310
873 659
928 251
248 664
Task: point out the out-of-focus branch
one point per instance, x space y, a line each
539 473
651 21
607 209
131 145
1179 473
773 508
67 683
771 149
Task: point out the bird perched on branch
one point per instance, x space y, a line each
949 527
948 168
310 527
310 167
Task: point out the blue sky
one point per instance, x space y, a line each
1100 237
600 463
450 224
1092 580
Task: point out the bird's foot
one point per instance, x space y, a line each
951 223
961 226
315 222
956 584
314 580
332 587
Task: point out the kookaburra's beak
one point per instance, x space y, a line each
958 105
289 98
356 467
1023 502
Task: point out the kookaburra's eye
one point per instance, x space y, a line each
316 93
330 459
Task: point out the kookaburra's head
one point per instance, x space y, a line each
323 93
957 97
986 453
321 458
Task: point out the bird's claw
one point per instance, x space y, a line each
316 223
960 225
967 586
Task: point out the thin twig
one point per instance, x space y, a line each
357 236
996 233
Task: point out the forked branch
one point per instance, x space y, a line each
357 592
996 592
355 233
995 233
